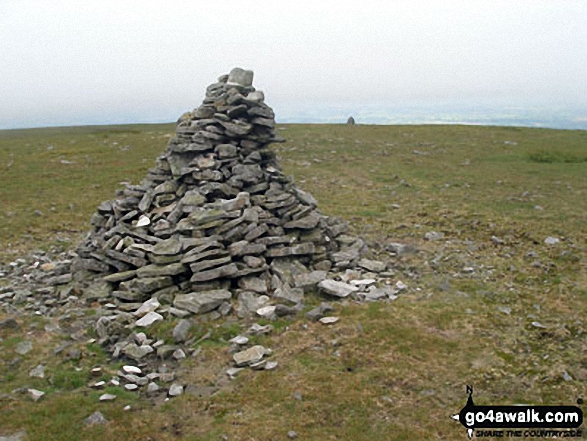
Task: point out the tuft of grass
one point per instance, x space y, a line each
68 378
551 157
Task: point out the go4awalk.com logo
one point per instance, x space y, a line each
519 421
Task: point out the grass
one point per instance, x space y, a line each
389 371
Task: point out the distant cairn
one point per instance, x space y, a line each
350 121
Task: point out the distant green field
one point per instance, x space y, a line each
389 371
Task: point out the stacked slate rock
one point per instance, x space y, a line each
216 219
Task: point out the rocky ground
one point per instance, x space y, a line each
484 284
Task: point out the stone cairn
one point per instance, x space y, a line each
215 221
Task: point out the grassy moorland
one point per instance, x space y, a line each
385 371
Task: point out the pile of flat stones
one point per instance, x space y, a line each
216 228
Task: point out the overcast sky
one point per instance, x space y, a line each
86 62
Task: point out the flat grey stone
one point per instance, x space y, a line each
169 247
147 307
216 273
149 319
100 290
165 351
250 356
308 222
372 265
249 302
156 271
129 296
289 294
153 388
137 352
147 285
181 330
257 329
255 97
95 418
226 151
375 293
283 310
318 312
175 390
308 281
253 262
296 250
208 264
242 248
200 302
38 372
24 347
335 288
240 77
238 129
117 277
255 284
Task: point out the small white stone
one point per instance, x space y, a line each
149 306
175 390
107 397
270 365
35 394
400 285
179 354
266 311
132 369
363 282
551 240
260 365
141 337
131 387
233 371
127 407
115 382
329 320
239 340
99 385
143 221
